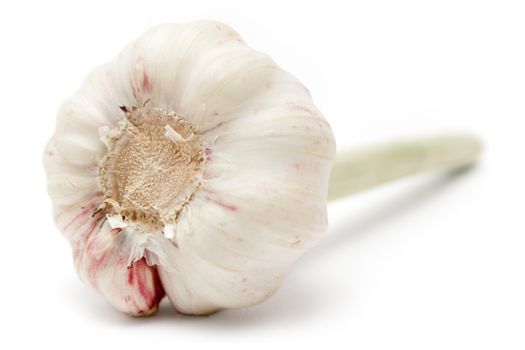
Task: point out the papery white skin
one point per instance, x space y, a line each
262 199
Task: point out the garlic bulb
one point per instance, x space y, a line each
191 166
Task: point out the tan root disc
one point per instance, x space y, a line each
152 169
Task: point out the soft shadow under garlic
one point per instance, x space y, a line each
298 299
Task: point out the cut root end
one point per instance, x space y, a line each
152 168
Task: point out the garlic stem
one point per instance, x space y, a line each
359 170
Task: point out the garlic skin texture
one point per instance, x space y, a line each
190 166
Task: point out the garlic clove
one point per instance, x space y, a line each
104 258
133 288
236 253
183 300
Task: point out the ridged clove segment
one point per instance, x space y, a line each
133 289
101 259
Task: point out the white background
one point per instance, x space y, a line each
435 262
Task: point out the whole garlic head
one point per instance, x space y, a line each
192 166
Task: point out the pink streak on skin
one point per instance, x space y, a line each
96 259
208 157
141 86
301 108
95 224
85 213
77 223
227 206
95 263
208 152
138 279
296 243
220 203
146 84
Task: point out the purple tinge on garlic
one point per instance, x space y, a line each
190 166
